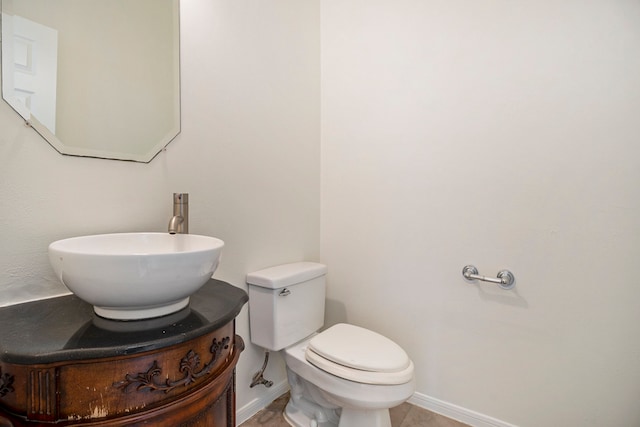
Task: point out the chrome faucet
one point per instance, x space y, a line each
179 223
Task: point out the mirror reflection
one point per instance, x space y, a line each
96 78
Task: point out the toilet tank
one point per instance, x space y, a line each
286 303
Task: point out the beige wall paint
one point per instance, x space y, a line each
248 155
493 133
503 134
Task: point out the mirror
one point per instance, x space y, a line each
95 78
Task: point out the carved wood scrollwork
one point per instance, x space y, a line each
6 384
188 366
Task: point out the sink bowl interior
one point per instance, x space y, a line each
129 276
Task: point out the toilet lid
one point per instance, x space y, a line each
361 349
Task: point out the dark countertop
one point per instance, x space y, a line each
66 328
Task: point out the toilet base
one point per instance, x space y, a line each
308 407
364 418
297 417
349 418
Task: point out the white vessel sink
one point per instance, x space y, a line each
129 276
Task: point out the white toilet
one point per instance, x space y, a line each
345 376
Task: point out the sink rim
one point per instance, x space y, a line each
64 245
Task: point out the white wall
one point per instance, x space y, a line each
248 155
503 134
496 133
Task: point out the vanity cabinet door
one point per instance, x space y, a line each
187 384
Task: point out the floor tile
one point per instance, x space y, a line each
271 416
399 413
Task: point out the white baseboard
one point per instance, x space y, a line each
256 405
455 412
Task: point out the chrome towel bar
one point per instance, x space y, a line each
505 278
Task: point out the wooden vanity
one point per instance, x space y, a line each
61 364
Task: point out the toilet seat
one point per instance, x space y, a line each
359 355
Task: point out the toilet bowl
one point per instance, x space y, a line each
345 376
359 404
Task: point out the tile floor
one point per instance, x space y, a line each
405 415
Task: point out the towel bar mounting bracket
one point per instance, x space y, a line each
505 278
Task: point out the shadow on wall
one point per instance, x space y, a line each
489 292
334 312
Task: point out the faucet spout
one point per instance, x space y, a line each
175 224
179 223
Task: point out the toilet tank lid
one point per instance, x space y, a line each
286 274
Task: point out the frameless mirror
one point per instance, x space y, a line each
95 78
